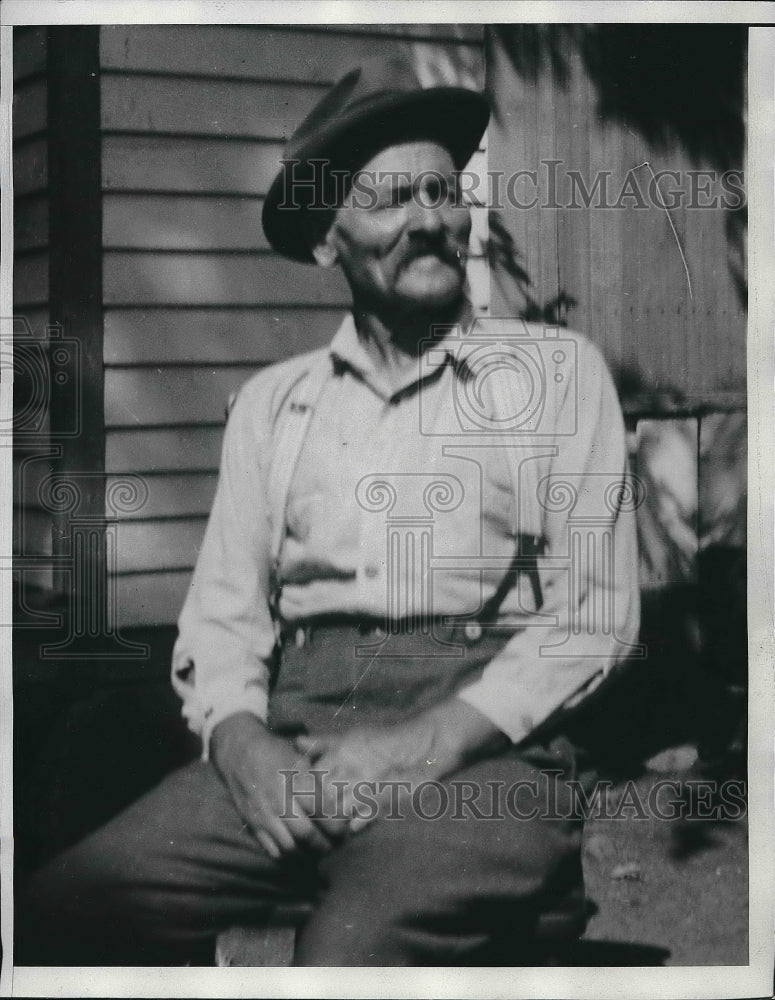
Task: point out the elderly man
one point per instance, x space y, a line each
395 603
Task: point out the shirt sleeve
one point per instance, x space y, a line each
588 569
226 640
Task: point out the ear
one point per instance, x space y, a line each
324 251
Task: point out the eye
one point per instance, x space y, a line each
394 197
437 190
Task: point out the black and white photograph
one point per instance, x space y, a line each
386 430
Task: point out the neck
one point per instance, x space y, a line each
398 339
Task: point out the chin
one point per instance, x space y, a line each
435 296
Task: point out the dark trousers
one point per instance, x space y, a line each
462 865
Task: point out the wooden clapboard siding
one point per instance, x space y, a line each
622 265
298 55
191 106
166 164
173 495
150 598
193 124
158 546
158 450
249 335
158 222
184 394
217 279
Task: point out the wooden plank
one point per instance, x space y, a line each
29 108
213 107
184 449
255 947
174 495
217 279
140 336
30 230
31 281
165 163
158 545
30 167
29 52
147 396
237 51
150 598
160 222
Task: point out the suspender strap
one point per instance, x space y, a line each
288 435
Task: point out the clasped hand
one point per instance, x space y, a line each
302 795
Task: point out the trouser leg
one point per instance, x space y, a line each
156 884
422 891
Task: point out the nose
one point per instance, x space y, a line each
426 218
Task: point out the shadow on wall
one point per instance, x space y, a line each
678 84
506 263
671 84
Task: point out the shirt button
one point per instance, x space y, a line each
473 631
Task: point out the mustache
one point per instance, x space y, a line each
446 250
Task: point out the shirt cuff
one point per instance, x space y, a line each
254 701
494 707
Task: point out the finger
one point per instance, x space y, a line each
308 835
277 830
310 745
268 844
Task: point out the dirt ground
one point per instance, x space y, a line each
665 891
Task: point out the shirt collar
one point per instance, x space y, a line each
348 349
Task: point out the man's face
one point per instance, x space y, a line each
401 236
